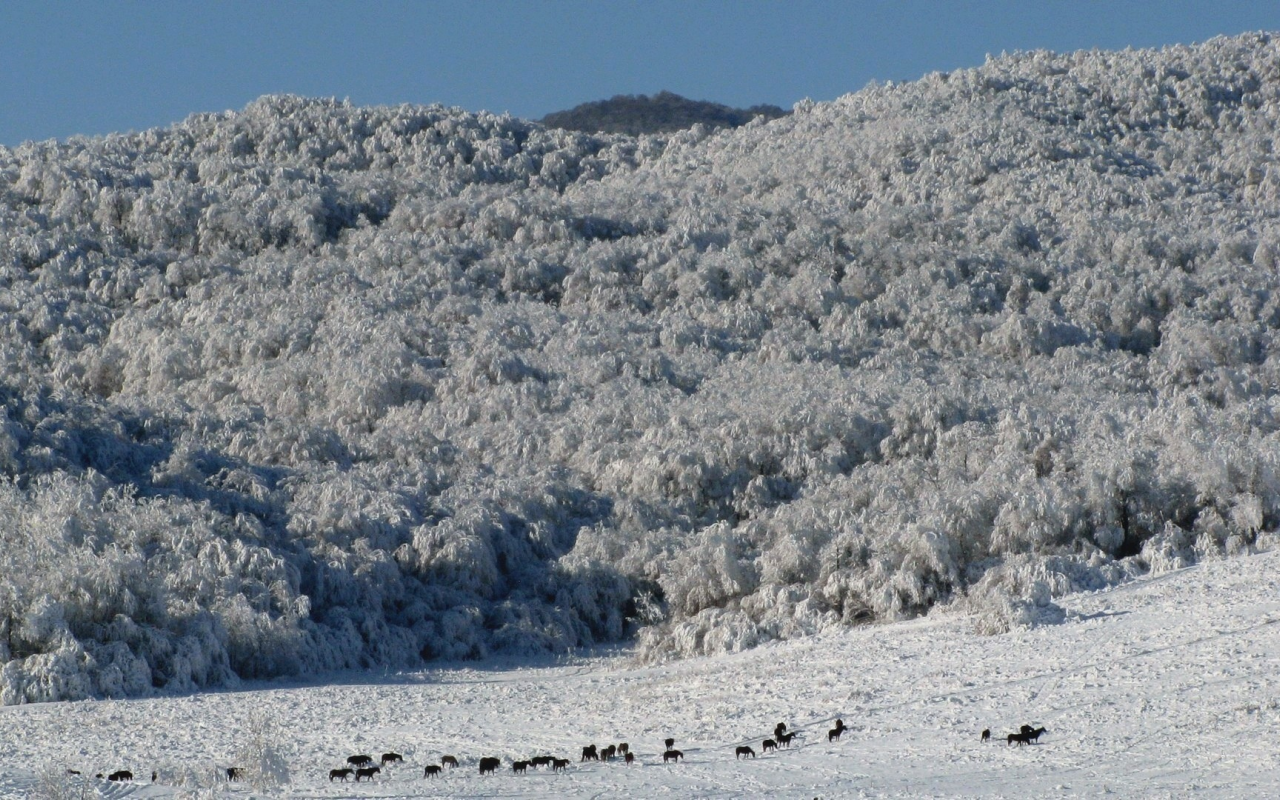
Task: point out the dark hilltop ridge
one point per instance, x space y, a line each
311 386
664 112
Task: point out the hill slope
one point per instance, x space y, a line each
311 387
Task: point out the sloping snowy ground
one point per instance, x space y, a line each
1168 686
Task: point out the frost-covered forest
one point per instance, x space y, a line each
312 386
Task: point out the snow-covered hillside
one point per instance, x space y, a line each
1164 687
313 387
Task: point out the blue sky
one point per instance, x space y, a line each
96 67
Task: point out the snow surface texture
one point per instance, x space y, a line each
313 387
1164 687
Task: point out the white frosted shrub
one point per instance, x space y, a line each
461 634
1170 549
791 560
595 595
121 674
710 571
1019 593
458 554
712 630
258 645
996 612
60 674
53 783
1033 519
264 754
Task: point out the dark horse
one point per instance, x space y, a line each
589 753
392 758
120 775
367 772
431 770
488 766
359 761
1032 734
339 773
743 750
449 761
834 734
672 755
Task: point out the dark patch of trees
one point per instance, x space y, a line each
663 112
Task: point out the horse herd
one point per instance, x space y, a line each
362 766
1025 735
125 776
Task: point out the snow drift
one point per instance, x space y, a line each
311 386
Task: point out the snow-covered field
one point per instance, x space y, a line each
1168 686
